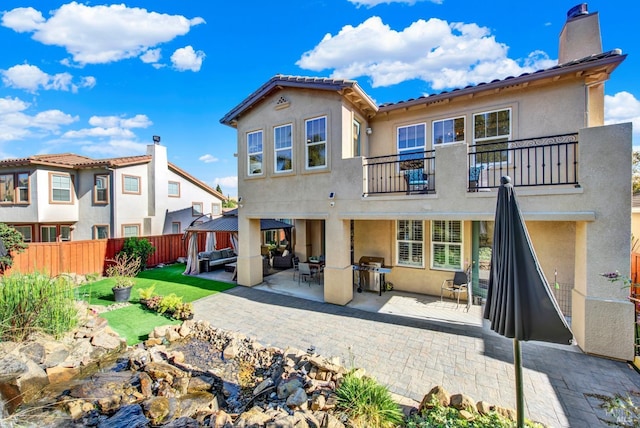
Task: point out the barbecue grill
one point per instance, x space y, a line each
371 272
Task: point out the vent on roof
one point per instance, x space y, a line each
282 103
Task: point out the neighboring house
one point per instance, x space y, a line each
64 197
414 182
635 222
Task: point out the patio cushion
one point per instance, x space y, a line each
215 255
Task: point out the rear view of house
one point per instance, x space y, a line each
413 183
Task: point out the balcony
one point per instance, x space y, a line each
542 161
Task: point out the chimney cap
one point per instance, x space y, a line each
156 139
577 10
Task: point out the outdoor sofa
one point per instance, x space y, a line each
218 257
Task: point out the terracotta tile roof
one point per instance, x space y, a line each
349 88
610 60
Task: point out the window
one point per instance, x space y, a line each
446 244
130 184
356 139
282 144
196 209
215 209
47 234
409 240
411 146
25 231
101 189
129 230
7 188
316 138
254 152
174 189
100 231
65 233
491 133
23 187
448 131
60 187
175 227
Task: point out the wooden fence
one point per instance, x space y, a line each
86 257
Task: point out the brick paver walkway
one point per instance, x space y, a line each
412 355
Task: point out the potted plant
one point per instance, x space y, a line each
124 268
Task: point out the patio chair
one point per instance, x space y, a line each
305 271
295 261
457 285
474 177
417 180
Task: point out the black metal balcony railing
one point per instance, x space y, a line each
544 161
401 173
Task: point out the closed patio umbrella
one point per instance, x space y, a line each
520 304
193 267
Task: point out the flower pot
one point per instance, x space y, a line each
121 294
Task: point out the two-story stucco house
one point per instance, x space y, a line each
70 197
414 182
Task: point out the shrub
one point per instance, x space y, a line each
367 403
138 248
169 303
146 293
184 311
35 302
123 269
12 242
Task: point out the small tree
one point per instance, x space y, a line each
138 248
12 242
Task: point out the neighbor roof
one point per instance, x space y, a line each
349 88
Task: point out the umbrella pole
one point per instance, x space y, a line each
517 361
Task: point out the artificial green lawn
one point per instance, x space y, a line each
135 322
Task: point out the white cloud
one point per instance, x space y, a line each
151 56
16 124
208 158
31 78
372 3
226 183
100 34
623 107
113 148
186 58
443 54
110 127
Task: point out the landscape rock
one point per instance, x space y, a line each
126 417
441 395
298 399
461 402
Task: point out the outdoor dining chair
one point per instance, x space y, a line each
305 271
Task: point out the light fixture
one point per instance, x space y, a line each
156 139
369 131
239 199
332 195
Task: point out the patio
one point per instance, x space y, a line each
397 303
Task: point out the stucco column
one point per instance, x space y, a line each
249 265
602 317
303 245
338 285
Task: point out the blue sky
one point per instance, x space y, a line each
100 79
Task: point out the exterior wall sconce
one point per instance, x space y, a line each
369 131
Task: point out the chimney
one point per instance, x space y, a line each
580 36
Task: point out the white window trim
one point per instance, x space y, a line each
52 188
398 241
309 144
173 195
453 119
282 149
460 244
497 137
261 153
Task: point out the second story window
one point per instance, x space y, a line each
174 189
254 152
282 144
491 133
131 184
101 189
448 131
411 145
316 142
60 187
7 188
22 187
